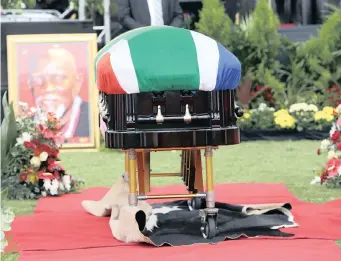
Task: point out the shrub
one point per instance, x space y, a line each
214 22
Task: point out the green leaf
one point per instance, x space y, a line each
8 129
4 194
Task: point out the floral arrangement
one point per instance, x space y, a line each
261 117
32 166
299 117
330 174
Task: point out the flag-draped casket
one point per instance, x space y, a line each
164 58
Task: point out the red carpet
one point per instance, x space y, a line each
237 250
64 231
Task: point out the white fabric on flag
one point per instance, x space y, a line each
123 67
208 60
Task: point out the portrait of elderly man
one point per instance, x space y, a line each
55 84
133 14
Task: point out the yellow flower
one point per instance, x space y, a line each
285 121
328 110
329 118
247 115
323 115
32 177
281 112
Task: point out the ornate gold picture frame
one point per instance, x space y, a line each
56 72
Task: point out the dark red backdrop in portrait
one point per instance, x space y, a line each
25 51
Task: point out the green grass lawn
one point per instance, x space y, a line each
292 163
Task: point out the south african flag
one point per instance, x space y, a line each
163 58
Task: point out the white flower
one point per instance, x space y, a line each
316 180
332 130
298 107
20 141
7 217
24 105
33 110
324 144
47 184
54 187
312 107
35 161
67 182
262 107
339 171
25 136
272 109
43 193
61 186
43 156
331 154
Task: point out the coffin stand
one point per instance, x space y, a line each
188 120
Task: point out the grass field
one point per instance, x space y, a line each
288 162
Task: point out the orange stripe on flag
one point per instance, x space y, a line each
106 79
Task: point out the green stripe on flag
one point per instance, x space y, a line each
165 58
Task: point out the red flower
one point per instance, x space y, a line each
56 175
45 147
332 167
54 153
23 177
36 141
38 151
29 145
338 146
51 161
335 136
60 167
45 175
48 134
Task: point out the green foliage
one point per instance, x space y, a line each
261 32
8 132
214 22
320 57
17 4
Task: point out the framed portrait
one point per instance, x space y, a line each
55 72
